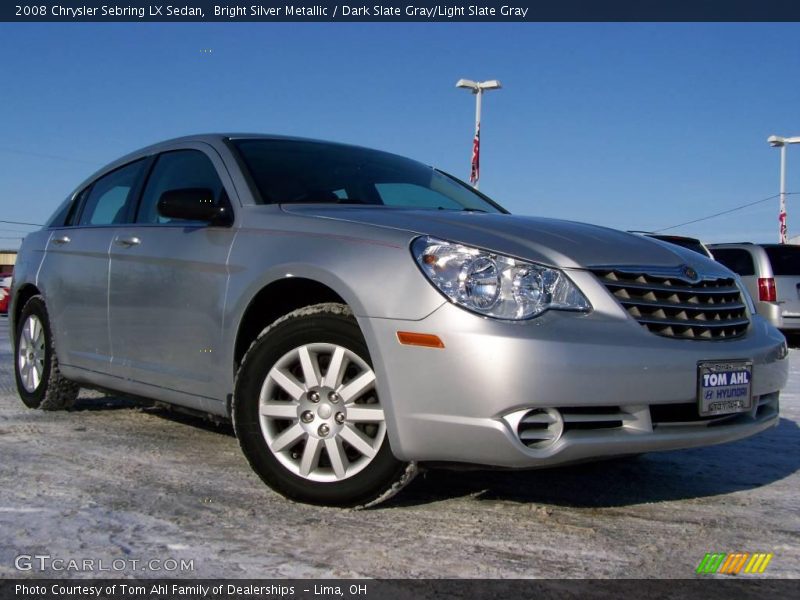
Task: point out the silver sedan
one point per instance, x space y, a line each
357 314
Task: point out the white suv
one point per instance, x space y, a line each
771 273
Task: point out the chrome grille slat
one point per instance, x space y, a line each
539 418
684 306
690 323
592 418
667 304
536 434
670 288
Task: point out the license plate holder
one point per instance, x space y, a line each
724 387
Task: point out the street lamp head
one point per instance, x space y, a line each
776 141
478 86
467 83
492 84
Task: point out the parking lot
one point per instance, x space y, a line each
113 479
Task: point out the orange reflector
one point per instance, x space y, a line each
427 340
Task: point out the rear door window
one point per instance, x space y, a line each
785 260
737 260
107 200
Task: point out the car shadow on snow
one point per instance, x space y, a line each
661 476
169 413
98 403
161 411
676 475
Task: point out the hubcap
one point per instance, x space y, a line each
320 414
30 358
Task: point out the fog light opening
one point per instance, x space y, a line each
541 428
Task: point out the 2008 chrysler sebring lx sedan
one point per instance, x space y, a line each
355 314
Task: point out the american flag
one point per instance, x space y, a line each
784 234
475 172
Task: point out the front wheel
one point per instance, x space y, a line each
307 413
40 383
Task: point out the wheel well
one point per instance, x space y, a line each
274 301
25 293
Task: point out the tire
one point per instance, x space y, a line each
307 415
40 383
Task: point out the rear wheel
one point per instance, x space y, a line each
40 383
307 413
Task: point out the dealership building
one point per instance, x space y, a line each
7 260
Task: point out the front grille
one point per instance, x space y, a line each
664 415
687 412
668 305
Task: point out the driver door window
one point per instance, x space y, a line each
177 170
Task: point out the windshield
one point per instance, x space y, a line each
290 171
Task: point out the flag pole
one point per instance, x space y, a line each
477 88
778 141
783 234
475 171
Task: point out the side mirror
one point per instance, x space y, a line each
193 204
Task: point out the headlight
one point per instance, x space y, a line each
494 285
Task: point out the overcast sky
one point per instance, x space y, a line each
634 126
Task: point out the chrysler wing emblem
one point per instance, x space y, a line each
690 274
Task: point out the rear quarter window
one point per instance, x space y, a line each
738 261
785 260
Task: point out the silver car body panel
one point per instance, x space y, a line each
166 295
556 361
551 242
190 288
73 277
787 288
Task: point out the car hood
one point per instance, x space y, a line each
553 242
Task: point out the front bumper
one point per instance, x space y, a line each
463 403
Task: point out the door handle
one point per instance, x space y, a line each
64 239
127 242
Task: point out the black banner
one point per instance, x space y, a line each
403 11
742 588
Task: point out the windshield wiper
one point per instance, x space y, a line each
463 209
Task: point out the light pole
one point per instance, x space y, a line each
777 141
477 88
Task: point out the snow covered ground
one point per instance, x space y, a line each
112 481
